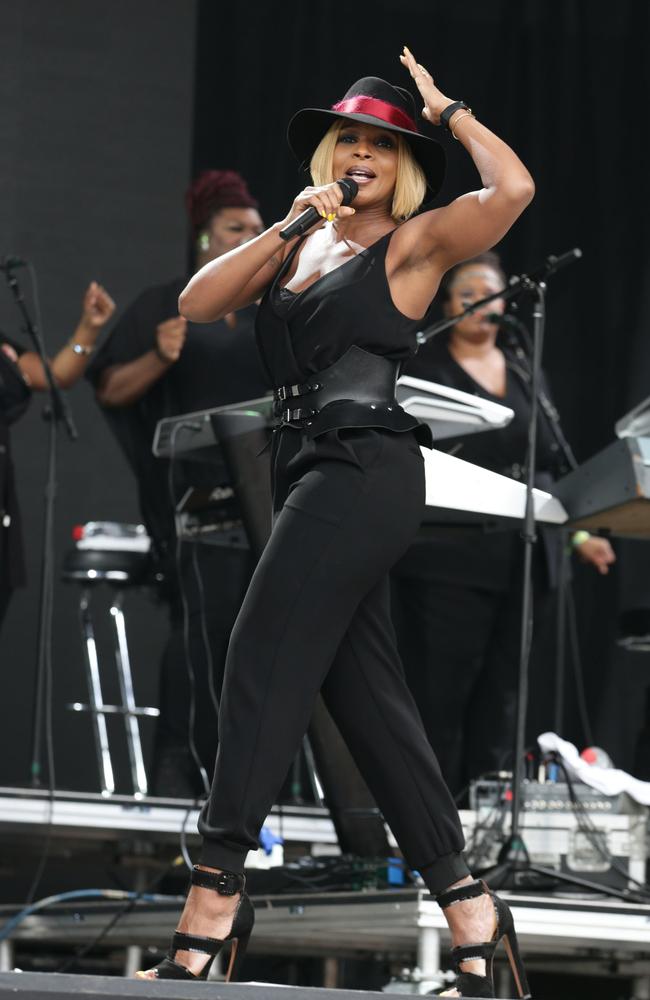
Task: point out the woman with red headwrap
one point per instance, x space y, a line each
156 364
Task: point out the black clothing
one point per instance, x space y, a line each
212 607
12 404
501 449
217 366
303 333
316 616
460 649
457 595
471 554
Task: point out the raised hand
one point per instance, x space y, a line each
170 338
435 101
97 307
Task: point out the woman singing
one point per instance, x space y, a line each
465 679
339 314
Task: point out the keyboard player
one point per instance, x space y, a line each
457 591
153 365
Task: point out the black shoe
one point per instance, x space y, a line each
467 983
226 884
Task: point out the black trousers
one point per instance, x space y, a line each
210 582
460 646
317 617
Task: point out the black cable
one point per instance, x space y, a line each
196 804
129 906
70 962
595 836
191 676
459 796
204 632
577 666
491 828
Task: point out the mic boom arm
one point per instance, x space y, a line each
517 284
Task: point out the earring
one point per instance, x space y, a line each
204 241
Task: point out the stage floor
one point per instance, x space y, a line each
58 987
575 935
406 926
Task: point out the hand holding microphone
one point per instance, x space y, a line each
319 204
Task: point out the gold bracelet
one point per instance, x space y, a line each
80 348
465 114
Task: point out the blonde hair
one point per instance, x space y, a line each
410 183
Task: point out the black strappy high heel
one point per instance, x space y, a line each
226 884
469 984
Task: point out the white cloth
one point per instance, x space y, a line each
608 780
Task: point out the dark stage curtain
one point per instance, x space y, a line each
566 83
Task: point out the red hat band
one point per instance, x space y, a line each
361 105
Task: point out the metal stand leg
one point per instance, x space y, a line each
316 787
106 778
428 958
6 956
138 773
132 961
330 973
641 988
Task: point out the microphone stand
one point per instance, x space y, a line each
57 410
522 347
518 283
514 858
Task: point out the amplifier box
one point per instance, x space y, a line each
601 838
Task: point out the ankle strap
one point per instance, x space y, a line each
462 893
225 883
472 953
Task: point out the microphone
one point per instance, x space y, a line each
550 265
311 215
10 263
503 319
515 332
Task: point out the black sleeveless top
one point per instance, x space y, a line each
299 334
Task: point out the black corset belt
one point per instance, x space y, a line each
358 377
358 390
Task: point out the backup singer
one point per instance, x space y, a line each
155 364
21 372
465 678
339 313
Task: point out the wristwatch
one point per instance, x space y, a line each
80 348
450 110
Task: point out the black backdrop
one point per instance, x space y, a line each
95 152
95 148
566 84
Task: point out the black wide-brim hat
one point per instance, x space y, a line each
374 102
